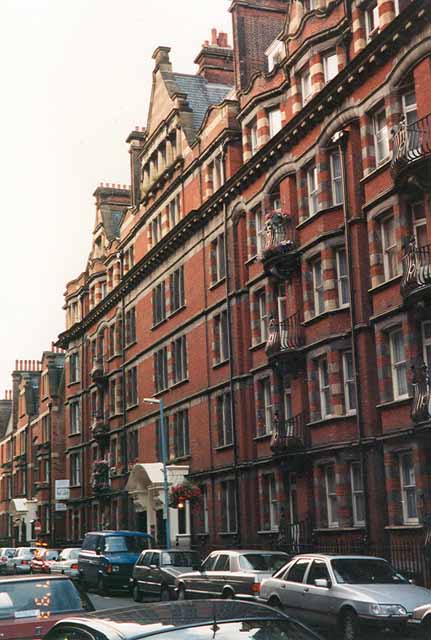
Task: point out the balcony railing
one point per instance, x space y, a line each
421 393
100 426
411 142
98 370
289 434
416 268
278 244
100 480
285 335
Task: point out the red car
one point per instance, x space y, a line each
30 605
42 560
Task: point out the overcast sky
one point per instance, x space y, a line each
75 80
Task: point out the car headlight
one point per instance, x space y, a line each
387 610
115 567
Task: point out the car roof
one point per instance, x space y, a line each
260 552
142 620
336 556
107 532
174 549
24 578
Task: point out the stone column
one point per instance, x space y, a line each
262 128
386 12
246 143
359 41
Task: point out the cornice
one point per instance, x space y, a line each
374 55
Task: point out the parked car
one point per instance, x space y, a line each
230 574
29 605
182 621
5 554
107 558
344 592
42 560
421 619
66 563
20 562
155 572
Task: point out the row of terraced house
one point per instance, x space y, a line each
267 275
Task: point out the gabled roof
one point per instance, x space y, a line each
201 94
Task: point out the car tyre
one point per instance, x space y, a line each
275 604
228 594
101 586
182 593
165 596
137 594
350 626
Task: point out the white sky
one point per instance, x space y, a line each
75 80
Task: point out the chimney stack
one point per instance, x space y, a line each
215 60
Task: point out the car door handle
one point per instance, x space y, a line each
306 590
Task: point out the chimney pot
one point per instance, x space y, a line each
213 36
16 364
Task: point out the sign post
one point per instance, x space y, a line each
37 527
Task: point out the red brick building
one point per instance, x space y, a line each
267 275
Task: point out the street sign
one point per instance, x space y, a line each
60 506
37 527
62 489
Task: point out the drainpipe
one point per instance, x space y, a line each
123 370
340 138
231 370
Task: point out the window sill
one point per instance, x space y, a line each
157 324
132 405
380 168
268 531
72 382
324 314
337 528
130 344
220 363
228 533
317 214
263 436
320 421
217 283
179 383
391 403
175 311
180 459
258 345
75 433
386 283
223 447
113 356
404 527
75 486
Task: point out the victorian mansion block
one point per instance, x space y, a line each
268 276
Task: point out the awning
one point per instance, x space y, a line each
144 476
18 506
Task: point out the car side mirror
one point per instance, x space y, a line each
322 582
98 551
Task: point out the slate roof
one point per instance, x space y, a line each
201 94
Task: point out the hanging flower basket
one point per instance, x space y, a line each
179 493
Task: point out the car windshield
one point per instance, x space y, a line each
26 553
269 562
51 555
248 629
365 571
126 543
38 598
180 558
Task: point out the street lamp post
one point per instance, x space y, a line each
165 471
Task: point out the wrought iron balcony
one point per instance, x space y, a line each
285 335
412 146
98 370
416 270
100 480
100 426
279 253
289 434
421 393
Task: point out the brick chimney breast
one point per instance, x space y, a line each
215 60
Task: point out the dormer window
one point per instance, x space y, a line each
305 86
371 20
274 54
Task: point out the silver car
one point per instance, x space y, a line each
20 562
230 574
67 563
5 554
344 592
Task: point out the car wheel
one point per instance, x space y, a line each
101 586
228 594
137 594
182 593
349 626
165 596
275 604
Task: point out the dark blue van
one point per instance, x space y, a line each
107 558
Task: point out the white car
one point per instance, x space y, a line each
20 562
67 563
5 554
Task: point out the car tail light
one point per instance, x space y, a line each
255 587
74 566
25 562
3 558
109 568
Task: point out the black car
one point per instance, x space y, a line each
155 572
204 619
